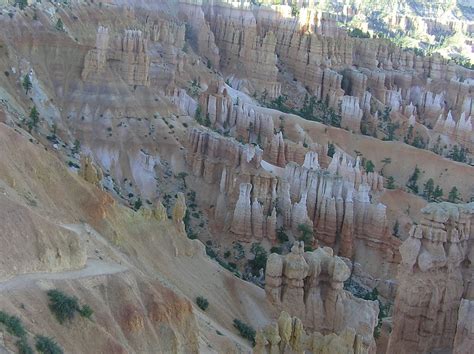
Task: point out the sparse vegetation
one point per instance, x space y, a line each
331 149
356 32
276 249
86 311
306 232
182 176
383 309
246 331
198 115
27 84
13 324
386 161
390 182
33 119
413 180
458 154
194 89
430 192
137 204
453 195
46 345
22 4
281 235
64 307
369 166
202 303
23 346
76 147
59 25
319 111
260 258
15 327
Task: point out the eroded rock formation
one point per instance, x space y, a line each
89 171
464 339
434 275
310 285
288 335
128 51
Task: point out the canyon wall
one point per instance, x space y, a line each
353 75
435 274
309 285
288 334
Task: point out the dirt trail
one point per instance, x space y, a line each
93 268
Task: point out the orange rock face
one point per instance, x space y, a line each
434 276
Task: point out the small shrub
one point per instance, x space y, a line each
246 331
331 150
226 254
192 236
281 235
210 252
137 205
239 252
86 311
59 25
13 324
390 183
260 259
46 345
202 303
306 234
72 164
24 347
276 249
63 306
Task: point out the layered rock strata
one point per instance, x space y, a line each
309 285
127 53
256 197
288 335
435 273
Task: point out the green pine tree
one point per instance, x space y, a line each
412 181
369 166
59 25
453 195
428 189
437 194
27 85
390 183
34 119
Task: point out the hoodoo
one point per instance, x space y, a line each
198 176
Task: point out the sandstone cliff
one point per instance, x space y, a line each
433 278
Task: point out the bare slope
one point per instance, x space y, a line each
141 277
